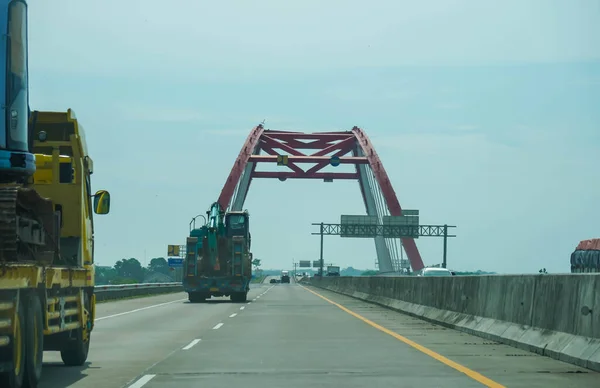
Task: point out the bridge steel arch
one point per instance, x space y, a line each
351 147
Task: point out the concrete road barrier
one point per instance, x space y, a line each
553 315
120 291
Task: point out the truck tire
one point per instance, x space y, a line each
34 342
15 378
238 297
196 297
76 351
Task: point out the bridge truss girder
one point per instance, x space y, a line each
349 147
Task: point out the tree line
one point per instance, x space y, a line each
130 271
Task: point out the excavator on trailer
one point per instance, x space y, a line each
47 299
218 258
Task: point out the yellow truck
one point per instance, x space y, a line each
47 297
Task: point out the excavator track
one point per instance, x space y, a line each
27 226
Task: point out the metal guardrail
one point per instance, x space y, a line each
111 287
119 291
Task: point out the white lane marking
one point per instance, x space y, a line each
140 309
189 346
258 297
232 315
142 381
218 326
254 300
243 307
249 302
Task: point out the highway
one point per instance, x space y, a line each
287 334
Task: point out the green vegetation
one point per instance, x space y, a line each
258 279
369 273
131 271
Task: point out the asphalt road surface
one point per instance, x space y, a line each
289 335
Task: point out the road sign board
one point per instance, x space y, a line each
353 226
408 221
304 263
173 250
282 160
175 263
316 263
335 161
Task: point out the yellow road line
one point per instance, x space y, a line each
471 373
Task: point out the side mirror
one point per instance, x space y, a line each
102 202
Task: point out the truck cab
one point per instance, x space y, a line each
285 277
237 224
333 271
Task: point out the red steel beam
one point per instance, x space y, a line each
239 166
271 142
345 144
291 165
388 193
317 141
293 175
343 148
310 159
329 136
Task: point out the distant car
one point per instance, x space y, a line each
427 272
273 281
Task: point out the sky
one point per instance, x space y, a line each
484 114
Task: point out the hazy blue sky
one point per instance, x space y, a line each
485 114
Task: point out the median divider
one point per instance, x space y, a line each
553 315
121 291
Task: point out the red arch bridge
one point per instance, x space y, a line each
322 149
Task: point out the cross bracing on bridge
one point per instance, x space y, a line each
288 149
392 231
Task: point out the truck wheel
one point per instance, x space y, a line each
15 377
34 342
76 351
239 297
196 297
